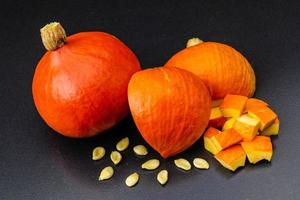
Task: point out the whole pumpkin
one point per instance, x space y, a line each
170 107
80 84
222 68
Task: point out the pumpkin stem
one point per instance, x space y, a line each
193 42
53 36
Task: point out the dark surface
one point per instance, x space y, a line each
37 163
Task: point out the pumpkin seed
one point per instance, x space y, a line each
98 153
132 179
106 173
200 163
115 157
162 177
151 164
183 164
140 150
122 144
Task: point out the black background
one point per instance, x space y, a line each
37 163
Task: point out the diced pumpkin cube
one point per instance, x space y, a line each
233 105
228 138
264 114
247 127
215 113
229 123
273 129
216 103
254 103
215 140
258 149
232 157
209 140
210 132
216 118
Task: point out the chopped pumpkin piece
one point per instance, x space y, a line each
228 138
273 129
216 118
264 114
215 113
233 105
209 140
216 103
232 157
211 131
215 140
229 124
258 149
247 127
254 103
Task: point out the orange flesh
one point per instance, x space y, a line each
264 114
215 113
232 157
254 103
227 138
272 130
215 140
229 124
211 132
258 149
209 140
233 105
247 127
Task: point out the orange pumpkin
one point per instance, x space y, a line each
80 84
223 69
170 106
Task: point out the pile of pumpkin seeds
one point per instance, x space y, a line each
152 164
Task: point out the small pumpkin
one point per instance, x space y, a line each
170 107
222 68
80 84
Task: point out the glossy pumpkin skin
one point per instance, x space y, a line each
170 107
80 89
223 69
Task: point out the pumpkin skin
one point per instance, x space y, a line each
170 107
222 68
80 89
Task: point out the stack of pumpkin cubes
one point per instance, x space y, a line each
240 127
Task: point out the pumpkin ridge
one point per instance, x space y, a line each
163 138
185 103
